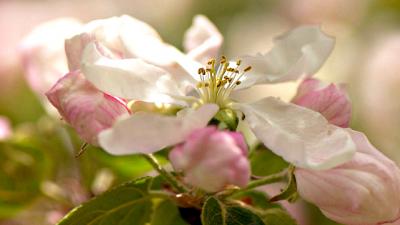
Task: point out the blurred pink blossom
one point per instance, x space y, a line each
5 128
212 159
379 94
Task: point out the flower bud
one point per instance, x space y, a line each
212 159
85 108
329 100
363 191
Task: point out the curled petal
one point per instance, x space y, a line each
368 185
128 78
202 40
148 132
331 101
299 135
301 51
85 108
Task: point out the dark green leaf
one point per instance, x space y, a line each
216 212
213 212
236 215
264 162
167 213
127 204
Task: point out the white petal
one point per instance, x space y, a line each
147 132
127 78
202 40
299 135
301 51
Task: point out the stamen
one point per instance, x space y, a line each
247 69
238 62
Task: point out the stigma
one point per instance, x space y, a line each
218 80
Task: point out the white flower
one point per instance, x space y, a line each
301 136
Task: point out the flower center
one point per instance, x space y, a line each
217 82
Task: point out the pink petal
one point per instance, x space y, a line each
85 108
202 40
331 101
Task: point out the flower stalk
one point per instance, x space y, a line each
167 176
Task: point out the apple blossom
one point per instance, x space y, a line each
363 191
330 100
301 136
85 108
212 159
367 184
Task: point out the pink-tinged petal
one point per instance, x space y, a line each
128 78
363 191
202 40
299 52
299 135
211 159
85 108
331 101
145 132
42 53
5 128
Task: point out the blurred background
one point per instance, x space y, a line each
40 180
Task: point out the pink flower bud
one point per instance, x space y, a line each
329 100
85 108
363 191
212 159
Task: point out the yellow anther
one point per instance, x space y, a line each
223 60
206 84
199 85
230 69
247 69
238 62
236 71
208 70
226 77
211 62
238 82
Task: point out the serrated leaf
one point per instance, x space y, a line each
215 212
264 162
277 216
236 215
167 213
126 204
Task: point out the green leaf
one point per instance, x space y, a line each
264 162
216 212
167 213
277 216
213 212
127 204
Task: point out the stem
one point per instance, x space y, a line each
167 176
265 180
